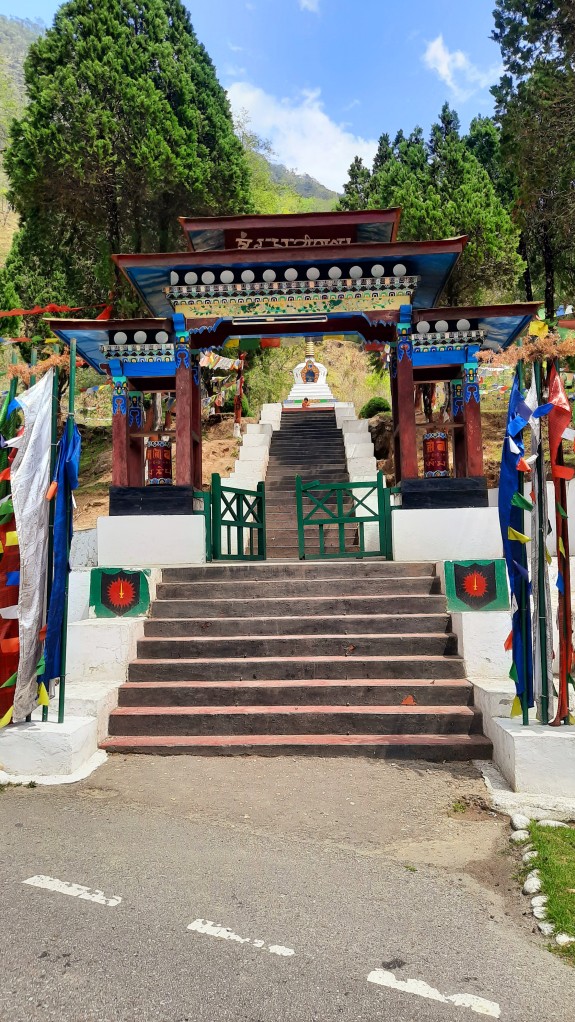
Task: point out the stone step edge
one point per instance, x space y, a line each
339 636
247 741
310 617
386 710
334 578
433 658
319 683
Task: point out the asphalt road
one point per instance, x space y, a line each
354 866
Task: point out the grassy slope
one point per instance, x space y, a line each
555 849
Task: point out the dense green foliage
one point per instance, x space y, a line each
444 191
228 405
126 128
16 37
373 407
534 106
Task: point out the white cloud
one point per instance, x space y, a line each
302 135
309 5
234 48
455 68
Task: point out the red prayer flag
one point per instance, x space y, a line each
558 419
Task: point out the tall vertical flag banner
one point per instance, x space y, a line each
514 542
30 476
67 468
559 420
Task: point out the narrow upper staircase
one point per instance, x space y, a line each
336 657
308 444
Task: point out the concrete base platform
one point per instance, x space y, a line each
48 751
535 759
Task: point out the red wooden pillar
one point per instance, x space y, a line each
136 444
473 434
406 407
120 432
184 444
459 453
395 417
196 426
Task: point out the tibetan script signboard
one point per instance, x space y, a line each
476 585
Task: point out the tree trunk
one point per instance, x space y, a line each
549 265
527 279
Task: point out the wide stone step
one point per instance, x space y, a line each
430 668
387 624
270 607
281 588
414 644
293 720
315 691
427 748
231 571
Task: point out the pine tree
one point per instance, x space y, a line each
126 128
444 191
357 187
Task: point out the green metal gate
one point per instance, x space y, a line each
351 519
238 522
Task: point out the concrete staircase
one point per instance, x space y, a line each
308 444
336 657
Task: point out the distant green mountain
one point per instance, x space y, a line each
16 35
303 184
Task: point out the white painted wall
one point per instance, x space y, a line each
146 541
445 534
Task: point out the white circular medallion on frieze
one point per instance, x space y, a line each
463 324
269 275
290 273
227 277
313 273
191 277
248 276
334 273
377 270
208 277
140 337
174 278
423 327
441 326
120 337
161 337
399 270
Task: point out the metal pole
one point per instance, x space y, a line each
52 505
541 564
523 594
33 361
69 435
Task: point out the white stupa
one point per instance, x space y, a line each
310 383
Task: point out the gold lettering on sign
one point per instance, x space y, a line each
243 242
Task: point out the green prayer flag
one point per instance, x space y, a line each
11 681
518 500
513 673
561 510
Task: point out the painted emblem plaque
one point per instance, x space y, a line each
476 585
115 592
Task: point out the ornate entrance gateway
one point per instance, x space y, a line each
256 281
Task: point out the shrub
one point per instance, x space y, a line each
229 405
373 406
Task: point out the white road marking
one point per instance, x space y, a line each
74 890
224 933
421 989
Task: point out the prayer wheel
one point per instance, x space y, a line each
159 462
435 457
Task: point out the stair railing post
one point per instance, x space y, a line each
217 516
299 513
261 505
382 514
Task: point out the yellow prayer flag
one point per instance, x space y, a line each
43 697
561 546
11 539
516 708
7 717
548 556
519 536
538 328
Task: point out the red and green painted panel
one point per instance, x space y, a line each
115 592
476 585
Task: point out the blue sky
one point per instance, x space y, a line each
321 79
